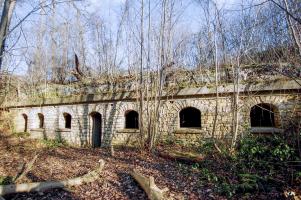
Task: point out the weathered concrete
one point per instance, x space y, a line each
284 96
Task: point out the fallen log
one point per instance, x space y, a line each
183 157
149 186
42 186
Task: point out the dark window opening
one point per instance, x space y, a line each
41 120
68 120
262 115
132 119
190 117
25 122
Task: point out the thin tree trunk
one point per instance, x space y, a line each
293 31
159 85
236 97
216 84
148 108
141 75
235 107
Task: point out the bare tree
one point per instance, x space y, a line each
7 13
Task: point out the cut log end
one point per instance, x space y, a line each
148 185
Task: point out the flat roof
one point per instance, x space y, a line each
273 87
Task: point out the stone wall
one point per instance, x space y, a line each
287 107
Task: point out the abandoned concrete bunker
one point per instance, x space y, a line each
187 113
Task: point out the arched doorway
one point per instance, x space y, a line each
96 129
25 122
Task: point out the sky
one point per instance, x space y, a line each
110 12
109 9
111 3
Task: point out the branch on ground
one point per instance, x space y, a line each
25 169
42 186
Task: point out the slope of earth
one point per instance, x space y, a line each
67 162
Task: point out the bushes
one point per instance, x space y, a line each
206 146
54 143
6 124
5 180
21 134
260 164
263 163
265 148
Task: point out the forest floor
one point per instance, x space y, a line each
64 162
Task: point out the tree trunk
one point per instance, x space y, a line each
216 83
235 107
7 12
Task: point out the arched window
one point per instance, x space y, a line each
25 122
68 119
132 119
41 120
190 117
262 115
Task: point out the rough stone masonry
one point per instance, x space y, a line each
186 115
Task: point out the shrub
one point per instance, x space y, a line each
6 124
5 180
298 177
54 143
21 134
265 148
169 140
260 163
206 146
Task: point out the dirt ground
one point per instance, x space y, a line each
67 162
